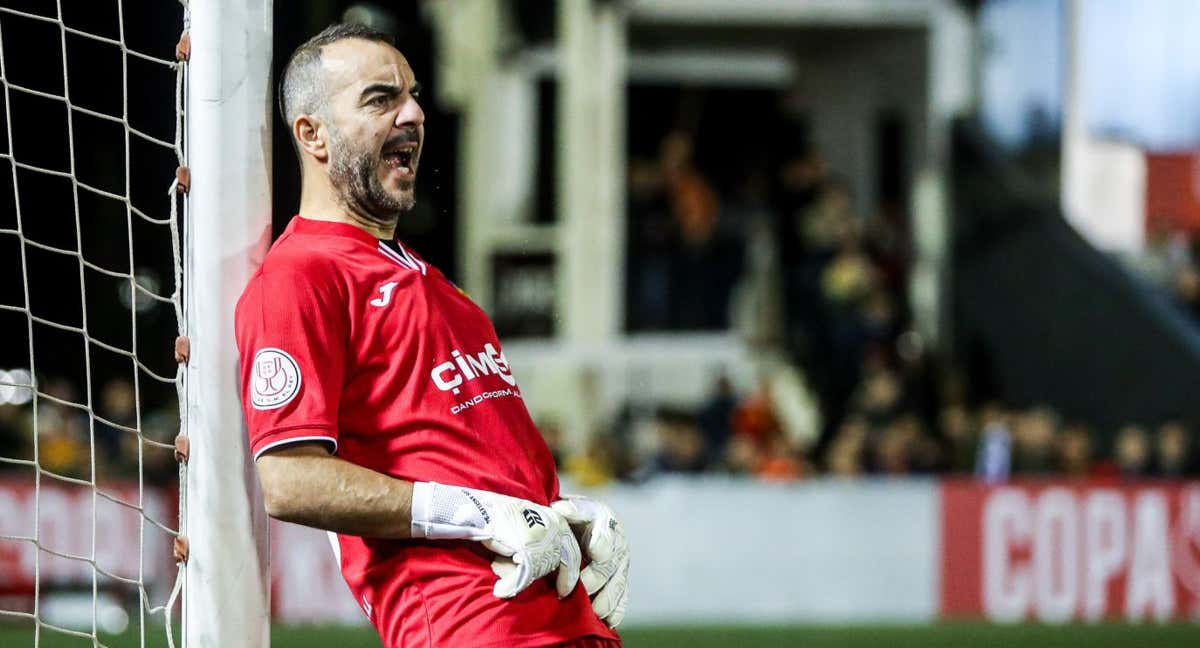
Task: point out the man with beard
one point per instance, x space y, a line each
380 406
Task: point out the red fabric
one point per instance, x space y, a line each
411 382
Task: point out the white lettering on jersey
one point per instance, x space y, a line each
274 380
465 367
386 289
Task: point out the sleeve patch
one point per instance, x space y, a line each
275 379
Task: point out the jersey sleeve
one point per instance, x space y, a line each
292 343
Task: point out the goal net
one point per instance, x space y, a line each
90 307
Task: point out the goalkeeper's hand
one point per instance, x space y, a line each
606 579
531 540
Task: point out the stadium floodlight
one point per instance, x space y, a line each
179 197
16 387
7 388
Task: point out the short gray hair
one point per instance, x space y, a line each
302 88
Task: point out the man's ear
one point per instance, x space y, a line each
311 136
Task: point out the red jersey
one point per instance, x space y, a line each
366 347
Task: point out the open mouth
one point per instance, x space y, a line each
402 158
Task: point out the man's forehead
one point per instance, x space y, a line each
354 63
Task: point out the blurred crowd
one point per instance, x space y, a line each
65 434
855 392
882 435
880 404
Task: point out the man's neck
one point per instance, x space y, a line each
320 205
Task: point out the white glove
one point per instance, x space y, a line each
532 540
603 538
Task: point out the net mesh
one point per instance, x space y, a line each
90 304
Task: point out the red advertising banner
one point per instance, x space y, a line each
307 581
1064 551
74 526
1173 191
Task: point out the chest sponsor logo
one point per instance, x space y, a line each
274 380
464 367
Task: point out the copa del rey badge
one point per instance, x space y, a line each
275 380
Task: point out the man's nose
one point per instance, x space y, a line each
410 114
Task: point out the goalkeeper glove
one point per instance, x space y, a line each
532 540
603 538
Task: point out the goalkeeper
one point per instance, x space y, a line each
380 405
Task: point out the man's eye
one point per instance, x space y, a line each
415 92
378 100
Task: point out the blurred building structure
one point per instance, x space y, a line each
847 66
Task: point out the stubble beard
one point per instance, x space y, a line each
355 178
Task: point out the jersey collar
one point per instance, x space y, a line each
304 225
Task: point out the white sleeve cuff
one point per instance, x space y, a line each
422 496
449 512
282 442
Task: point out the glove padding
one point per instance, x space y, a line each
531 540
606 579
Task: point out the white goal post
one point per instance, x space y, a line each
228 229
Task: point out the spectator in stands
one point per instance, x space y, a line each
705 265
886 239
651 246
904 447
62 432
893 447
1035 436
742 455
844 457
1132 450
879 396
1075 450
1174 451
800 180
16 433
994 461
782 461
754 417
961 437
118 405
596 465
680 446
715 420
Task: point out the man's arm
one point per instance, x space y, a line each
304 484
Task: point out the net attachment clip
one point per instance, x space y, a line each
183 349
181 549
183 448
183 49
183 179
